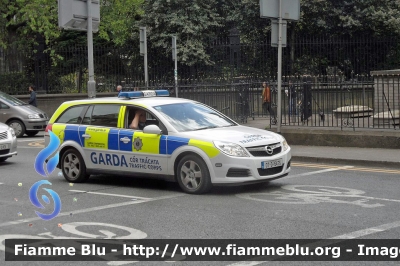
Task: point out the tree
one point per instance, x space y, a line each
119 20
25 20
192 21
349 17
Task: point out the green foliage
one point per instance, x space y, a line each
341 17
191 21
119 20
15 83
27 18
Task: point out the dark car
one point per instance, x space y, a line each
20 116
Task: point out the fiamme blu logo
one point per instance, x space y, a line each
44 166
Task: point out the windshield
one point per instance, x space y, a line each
193 116
11 100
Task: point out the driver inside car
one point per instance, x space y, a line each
139 121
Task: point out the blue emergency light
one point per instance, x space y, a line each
142 94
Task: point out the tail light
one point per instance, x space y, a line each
48 127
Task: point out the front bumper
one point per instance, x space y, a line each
36 124
11 147
237 170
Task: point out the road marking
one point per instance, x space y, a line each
110 194
375 170
320 171
315 165
368 231
361 169
116 205
39 143
330 241
301 194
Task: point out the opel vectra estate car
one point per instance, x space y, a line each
181 140
20 116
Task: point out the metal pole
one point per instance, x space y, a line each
91 82
279 120
146 73
175 53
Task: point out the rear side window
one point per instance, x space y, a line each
88 116
71 116
105 115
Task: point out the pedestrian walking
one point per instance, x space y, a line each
266 96
32 99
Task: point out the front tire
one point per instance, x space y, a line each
73 167
3 159
193 175
18 126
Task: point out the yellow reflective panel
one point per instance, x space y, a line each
121 117
146 143
98 138
207 147
59 131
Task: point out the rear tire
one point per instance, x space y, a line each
193 175
32 133
18 126
73 167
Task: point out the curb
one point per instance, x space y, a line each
357 162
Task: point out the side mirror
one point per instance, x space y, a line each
152 129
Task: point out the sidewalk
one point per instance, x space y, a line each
329 154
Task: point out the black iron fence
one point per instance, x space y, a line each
230 57
316 101
338 91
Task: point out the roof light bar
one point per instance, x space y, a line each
143 94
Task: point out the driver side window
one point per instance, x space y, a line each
144 120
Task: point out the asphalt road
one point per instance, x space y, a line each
314 202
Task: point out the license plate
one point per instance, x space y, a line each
271 164
3 147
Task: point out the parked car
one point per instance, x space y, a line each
8 142
20 116
174 139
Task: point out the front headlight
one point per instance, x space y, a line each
285 144
34 116
12 132
231 149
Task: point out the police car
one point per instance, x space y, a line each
181 140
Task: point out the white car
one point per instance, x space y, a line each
181 140
8 142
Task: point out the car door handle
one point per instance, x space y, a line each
86 136
125 140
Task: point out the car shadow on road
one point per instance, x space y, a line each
156 184
248 188
134 182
